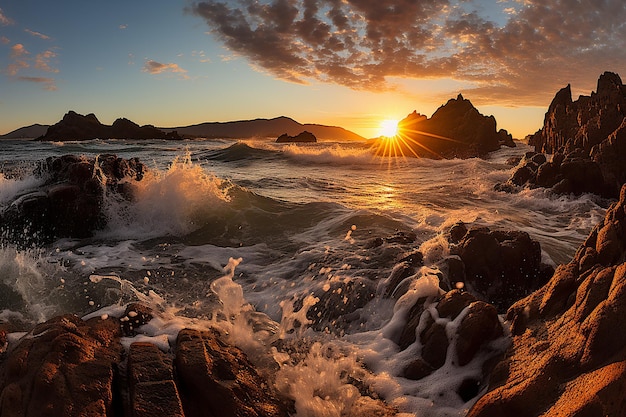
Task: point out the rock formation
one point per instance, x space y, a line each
71 367
456 130
498 267
70 200
587 138
75 126
303 137
569 349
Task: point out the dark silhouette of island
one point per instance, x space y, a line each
76 126
264 128
303 137
242 129
27 132
456 130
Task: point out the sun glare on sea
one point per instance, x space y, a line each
388 128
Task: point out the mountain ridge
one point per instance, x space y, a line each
235 129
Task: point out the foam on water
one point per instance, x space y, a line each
255 263
174 201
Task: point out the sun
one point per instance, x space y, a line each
388 128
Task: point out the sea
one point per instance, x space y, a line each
286 249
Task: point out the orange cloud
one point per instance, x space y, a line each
37 34
42 61
533 49
154 67
49 83
4 21
18 55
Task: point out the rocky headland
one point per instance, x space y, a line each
587 142
76 126
456 130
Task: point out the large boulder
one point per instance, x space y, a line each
64 367
498 267
69 203
456 130
76 126
303 137
569 351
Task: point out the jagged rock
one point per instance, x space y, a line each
569 353
456 130
304 137
76 126
497 266
593 128
69 202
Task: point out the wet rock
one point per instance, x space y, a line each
135 316
497 266
64 367
339 303
478 326
71 367
217 380
152 388
70 201
568 356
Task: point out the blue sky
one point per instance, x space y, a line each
351 63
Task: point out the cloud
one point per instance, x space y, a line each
537 47
4 40
42 61
154 67
122 27
19 59
37 34
5 21
49 83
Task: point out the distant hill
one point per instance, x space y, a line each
263 128
27 132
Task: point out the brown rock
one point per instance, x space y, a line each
153 391
64 367
568 355
217 380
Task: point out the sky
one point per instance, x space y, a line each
349 63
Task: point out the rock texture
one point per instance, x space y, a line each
70 367
70 200
303 137
587 138
456 130
76 126
568 356
498 267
